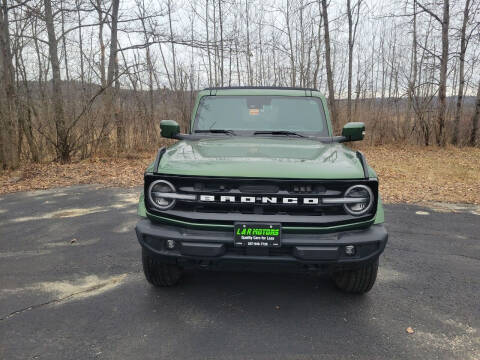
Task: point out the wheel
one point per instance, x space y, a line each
160 274
357 281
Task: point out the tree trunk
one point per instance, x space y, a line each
290 44
101 42
442 89
331 91
63 145
174 60
220 16
351 39
461 75
475 119
25 112
413 69
111 107
208 46
317 54
8 110
249 63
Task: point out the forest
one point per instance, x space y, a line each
85 77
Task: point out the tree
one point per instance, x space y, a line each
352 32
62 144
475 119
172 43
328 64
9 157
112 74
442 86
461 74
442 89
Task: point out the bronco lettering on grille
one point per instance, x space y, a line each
260 200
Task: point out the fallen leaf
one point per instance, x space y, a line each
407 173
410 330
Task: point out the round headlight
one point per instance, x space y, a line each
358 200
161 194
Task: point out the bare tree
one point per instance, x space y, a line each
352 32
475 119
461 74
328 65
248 52
112 73
208 45
62 144
220 19
9 156
442 86
290 46
172 43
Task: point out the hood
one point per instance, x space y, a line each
261 157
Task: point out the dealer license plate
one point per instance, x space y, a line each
257 235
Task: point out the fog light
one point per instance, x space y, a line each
170 244
350 250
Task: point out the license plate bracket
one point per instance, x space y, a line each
257 235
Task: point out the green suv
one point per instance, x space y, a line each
260 182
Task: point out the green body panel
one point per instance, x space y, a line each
141 210
379 215
261 157
150 168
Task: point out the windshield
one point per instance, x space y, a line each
249 114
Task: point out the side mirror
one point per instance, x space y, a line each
353 131
169 129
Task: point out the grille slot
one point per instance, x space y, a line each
259 189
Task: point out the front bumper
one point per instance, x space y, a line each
207 248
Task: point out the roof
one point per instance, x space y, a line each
259 91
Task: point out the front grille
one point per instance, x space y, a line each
227 212
280 209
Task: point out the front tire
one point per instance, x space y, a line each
160 274
357 281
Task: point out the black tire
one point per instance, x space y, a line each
357 281
160 274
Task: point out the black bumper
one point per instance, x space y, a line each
207 248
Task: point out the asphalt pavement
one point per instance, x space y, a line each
71 287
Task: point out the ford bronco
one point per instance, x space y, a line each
259 182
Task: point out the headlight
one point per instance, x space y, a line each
358 200
162 194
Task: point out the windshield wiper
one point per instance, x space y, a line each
278 132
216 131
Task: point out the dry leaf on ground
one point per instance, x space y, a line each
411 174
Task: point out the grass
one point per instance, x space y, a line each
407 173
